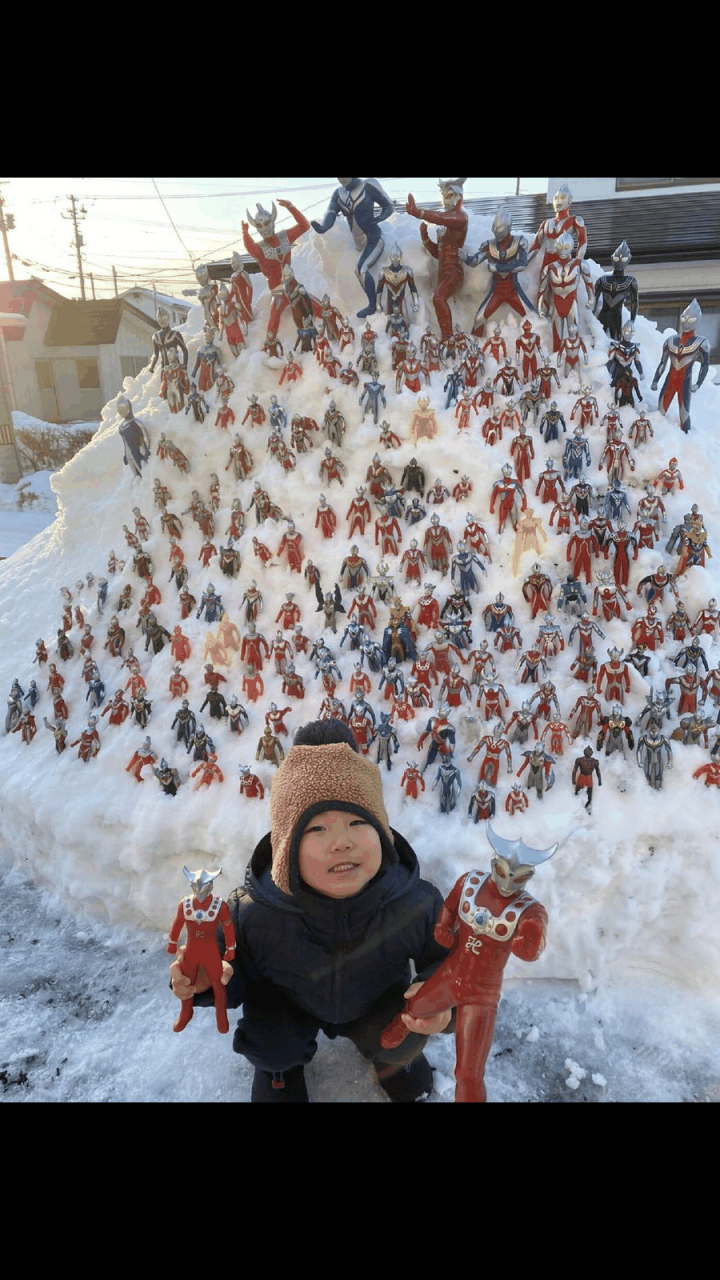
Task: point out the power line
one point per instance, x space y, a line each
172 224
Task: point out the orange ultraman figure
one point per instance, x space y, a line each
486 918
200 916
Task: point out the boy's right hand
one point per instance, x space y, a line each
183 988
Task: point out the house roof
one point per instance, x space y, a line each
162 299
89 324
19 295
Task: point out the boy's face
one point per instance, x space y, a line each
339 854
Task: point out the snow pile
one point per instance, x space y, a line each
634 886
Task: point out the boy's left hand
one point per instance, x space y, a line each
425 1026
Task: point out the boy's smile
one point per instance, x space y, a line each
339 853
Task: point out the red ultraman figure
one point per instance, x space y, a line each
273 253
522 450
453 223
485 919
615 676
527 348
580 548
411 780
200 916
586 408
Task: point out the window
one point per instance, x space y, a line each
131 366
88 374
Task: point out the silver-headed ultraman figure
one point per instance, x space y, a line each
136 441
654 755
683 349
357 199
613 292
506 256
207 295
165 340
396 278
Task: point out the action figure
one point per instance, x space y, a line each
506 256
357 200
537 590
273 254
174 384
615 291
683 349
136 441
453 222
527 531
584 768
166 341
449 779
209 361
557 291
483 920
571 349
200 915
541 775
386 738
508 492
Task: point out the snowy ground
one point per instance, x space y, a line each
85 1016
19 524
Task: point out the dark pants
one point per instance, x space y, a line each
279 1035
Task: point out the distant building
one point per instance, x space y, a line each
148 301
70 357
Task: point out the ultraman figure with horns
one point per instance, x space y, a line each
200 915
487 917
452 222
683 349
506 256
358 199
613 292
273 253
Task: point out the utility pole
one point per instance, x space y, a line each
74 214
115 281
6 224
92 285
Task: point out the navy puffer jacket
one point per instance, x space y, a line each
332 958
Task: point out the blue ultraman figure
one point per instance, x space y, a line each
576 452
375 392
357 199
454 384
212 604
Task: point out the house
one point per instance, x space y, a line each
10 468
70 357
148 301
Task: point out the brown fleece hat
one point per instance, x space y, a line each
308 777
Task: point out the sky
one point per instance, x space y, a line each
154 230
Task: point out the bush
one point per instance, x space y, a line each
49 448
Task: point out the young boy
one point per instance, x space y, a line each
332 911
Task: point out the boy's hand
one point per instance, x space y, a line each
425 1026
183 988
